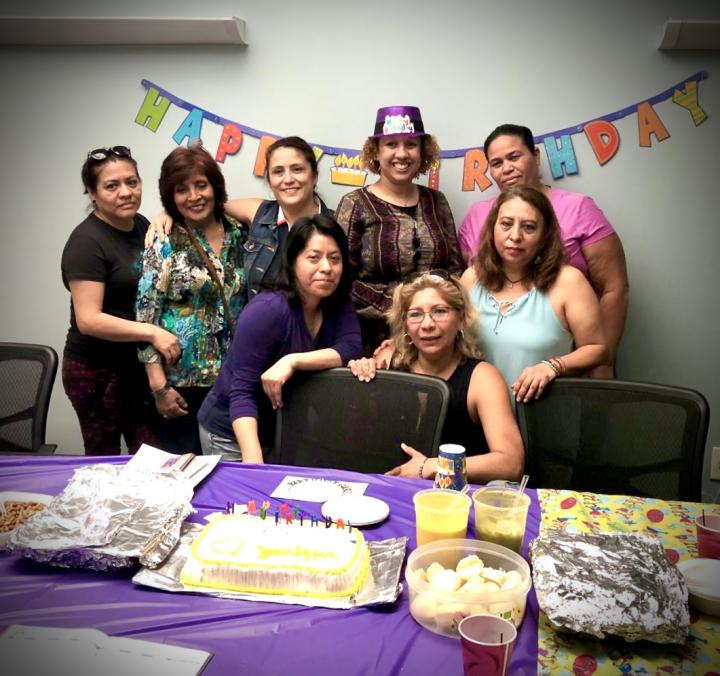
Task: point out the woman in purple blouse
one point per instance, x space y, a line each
307 324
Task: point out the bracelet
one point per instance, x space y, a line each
549 364
162 391
422 467
559 364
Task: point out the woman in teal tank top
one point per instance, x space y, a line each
538 317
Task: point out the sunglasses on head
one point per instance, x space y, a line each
100 154
442 274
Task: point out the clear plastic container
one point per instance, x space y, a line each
441 611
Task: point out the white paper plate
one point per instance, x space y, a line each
703 580
315 490
359 510
18 496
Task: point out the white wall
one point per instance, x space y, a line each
320 70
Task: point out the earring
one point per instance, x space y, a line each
406 335
537 260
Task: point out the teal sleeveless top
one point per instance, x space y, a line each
525 334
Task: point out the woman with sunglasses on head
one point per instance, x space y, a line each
538 317
193 285
395 227
306 324
434 332
291 171
100 267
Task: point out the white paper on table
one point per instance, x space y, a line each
311 489
196 467
38 651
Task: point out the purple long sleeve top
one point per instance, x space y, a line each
269 328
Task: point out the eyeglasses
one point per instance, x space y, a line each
439 314
100 154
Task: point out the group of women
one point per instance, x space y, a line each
235 295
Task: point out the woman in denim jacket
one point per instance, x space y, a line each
292 173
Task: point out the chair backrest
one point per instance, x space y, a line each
330 419
616 437
27 374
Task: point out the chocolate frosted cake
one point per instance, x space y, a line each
618 584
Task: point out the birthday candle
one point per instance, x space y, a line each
340 524
277 517
251 507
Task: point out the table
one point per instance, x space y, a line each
246 638
260 639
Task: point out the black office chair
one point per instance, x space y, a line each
616 437
331 419
27 374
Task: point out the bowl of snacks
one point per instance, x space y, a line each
16 508
451 579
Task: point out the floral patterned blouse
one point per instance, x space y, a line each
177 293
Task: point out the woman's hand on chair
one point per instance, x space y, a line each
275 377
363 369
532 382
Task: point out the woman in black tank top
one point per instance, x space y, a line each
433 333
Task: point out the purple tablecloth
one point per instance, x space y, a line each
245 637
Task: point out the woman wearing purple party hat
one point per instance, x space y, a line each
395 227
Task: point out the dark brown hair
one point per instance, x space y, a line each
296 143
177 168
551 255
429 154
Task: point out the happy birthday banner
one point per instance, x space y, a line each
600 132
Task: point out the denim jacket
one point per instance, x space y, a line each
262 262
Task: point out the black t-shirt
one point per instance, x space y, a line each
98 252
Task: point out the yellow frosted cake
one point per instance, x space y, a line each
249 554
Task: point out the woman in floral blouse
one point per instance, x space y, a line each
180 291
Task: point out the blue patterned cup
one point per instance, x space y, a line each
451 472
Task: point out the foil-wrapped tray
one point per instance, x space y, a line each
619 584
383 584
108 517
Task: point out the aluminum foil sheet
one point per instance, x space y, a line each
108 517
383 585
618 584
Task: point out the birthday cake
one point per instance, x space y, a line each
266 556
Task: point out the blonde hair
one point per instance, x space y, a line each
429 155
467 342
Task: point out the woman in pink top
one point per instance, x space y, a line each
591 242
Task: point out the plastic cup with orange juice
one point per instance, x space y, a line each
440 514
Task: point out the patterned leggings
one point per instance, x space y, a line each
110 403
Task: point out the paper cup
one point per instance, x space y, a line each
440 515
451 472
708 535
487 643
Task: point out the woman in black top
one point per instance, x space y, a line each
100 267
433 331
